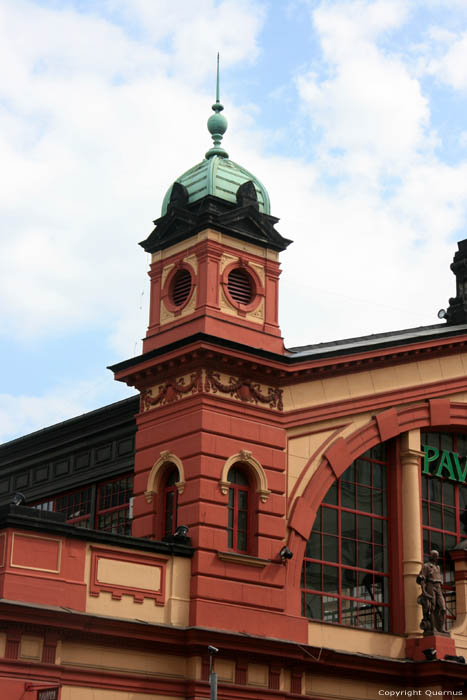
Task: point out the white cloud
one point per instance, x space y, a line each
95 124
24 413
375 228
450 66
100 112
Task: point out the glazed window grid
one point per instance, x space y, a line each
109 510
345 576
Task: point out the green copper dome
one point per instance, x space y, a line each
220 177
217 175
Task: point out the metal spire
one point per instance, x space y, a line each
217 124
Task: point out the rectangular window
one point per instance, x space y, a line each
111 511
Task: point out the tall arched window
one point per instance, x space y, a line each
345 577
170 500
239 509
444 498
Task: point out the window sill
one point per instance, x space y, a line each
245 559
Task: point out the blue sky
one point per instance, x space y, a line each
351 112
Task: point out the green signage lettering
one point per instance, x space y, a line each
429 458
447 465
461 473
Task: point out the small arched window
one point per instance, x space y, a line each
170 499
239 521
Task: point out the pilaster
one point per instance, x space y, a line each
411 529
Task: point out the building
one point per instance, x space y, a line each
273 503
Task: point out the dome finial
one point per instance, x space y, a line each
217 124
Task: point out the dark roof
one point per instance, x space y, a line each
377 340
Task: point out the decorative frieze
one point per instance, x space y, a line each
244 389
172 390
240 388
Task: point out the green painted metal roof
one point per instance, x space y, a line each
216 174
220 177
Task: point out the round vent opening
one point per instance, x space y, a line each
181 287
240 286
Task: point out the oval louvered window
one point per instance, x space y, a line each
181 287
240 286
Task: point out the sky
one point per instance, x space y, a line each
353 114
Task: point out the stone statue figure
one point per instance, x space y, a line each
431 598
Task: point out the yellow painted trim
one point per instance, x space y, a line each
155 475
246 457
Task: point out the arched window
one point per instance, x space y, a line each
239 508
444 498
170 499
345 577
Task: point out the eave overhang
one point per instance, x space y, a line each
313 361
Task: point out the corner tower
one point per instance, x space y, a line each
214 255
210 444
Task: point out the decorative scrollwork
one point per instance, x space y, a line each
244 389
172 390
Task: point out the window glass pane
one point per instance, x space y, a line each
446 442
378 476
169 512
349 582
242 520
379 502
349 612
314 576
348 495
348 524
349 474
424 487
330 548
311 605
379 452
331 496
349 552
243 500
380 558
365 555
364 499
379 531
364 528
448 493
330 609
449 519
365 615
313 546
331 579
462 444
173 477
241 541
365 585
329 520
435 489
435 515
363 472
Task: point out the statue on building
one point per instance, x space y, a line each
431 598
